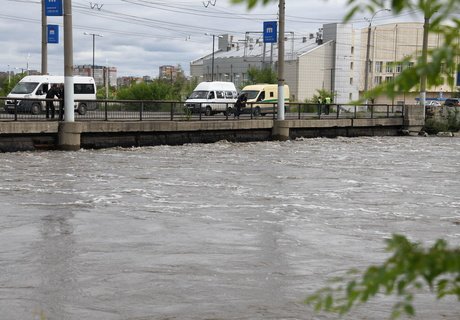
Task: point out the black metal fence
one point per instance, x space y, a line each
136 110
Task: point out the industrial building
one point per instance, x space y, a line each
332 59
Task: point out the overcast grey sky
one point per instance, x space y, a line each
141 35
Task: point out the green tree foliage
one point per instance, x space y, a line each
7 85
265 75
176 89
156 90
436 124
320 95
441 62
101 93
410 268
252 3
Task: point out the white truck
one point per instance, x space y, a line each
212 97
36 87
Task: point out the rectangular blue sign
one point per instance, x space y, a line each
53 33
458 79
270 31
53 7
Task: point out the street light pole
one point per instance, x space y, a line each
368 46
212 59
94 35
68 64
212 65
426 29
280 114
44 41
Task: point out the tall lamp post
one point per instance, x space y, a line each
368 46
94 35
281 8
212 62
426 29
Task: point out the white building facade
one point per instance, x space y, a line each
333 60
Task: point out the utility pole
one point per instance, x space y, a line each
368 46
94 35
44 68
281 61
68 63
212 62
106 79
426 27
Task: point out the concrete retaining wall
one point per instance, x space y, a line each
22 136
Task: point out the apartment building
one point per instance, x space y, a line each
334 59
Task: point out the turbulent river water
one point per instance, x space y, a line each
217 231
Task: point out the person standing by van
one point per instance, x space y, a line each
240 104
51 94
61 101
327 105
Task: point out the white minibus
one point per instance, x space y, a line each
32 87
212 97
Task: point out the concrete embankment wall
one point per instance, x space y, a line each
22 136
39 135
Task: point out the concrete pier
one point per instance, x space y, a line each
69 136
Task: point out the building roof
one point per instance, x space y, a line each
293 47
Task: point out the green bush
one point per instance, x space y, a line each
451 123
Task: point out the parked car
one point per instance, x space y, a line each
452 102
433 103
432 106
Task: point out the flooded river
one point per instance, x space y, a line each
217 231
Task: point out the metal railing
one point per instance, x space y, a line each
141 110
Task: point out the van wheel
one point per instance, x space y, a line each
256 112
81 109
35 108
208 111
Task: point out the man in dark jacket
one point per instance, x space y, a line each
240 105
61 101
52 92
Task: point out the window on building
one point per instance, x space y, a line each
389 67
398 68
377 80
351 80
378 66
352 50
351 65
388 79
350 96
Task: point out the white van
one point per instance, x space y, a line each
262 97
37 86
212 97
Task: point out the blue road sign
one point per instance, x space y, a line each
53 7
270 31
53 33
